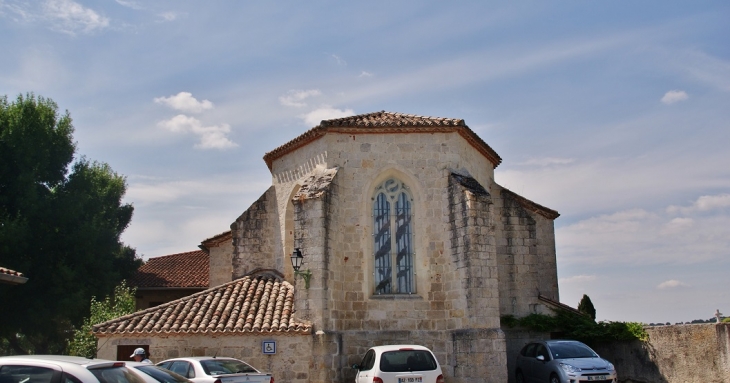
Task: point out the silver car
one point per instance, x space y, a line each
562 361
64 369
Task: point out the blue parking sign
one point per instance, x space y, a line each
268 347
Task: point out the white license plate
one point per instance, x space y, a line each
411 379
597 377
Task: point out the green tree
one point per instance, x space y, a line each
586 307
122 303
60 224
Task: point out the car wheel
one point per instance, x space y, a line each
554 379
519 377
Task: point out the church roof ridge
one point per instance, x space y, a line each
384 118
383 123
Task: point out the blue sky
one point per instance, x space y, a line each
616 114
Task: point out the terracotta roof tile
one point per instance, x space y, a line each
187 270
11 277
386 122
261 304
10 272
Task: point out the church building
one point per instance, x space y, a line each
404 237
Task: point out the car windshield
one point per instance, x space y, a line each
570 350
116 375
162 375
225 366
407 360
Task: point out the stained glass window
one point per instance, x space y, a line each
393 239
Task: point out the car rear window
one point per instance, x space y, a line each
116 375
225 366
407 360
25 374
161 375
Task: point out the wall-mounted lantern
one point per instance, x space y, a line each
296 262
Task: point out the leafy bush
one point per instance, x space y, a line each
579 327
123 302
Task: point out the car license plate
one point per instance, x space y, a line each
597 377
411 379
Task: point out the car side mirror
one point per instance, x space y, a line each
540 358
355 367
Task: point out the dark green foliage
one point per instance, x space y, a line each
61 227
578 327
586 307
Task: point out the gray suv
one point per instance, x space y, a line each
562 361
64 369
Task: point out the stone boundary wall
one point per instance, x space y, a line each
674 354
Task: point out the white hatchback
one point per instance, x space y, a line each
399 364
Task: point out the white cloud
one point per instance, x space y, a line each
644 237
672 283
70 17
577 279
130 4
169 16
674 96
365 74
339 60
326 112
703 204
296 97
185 102
211 137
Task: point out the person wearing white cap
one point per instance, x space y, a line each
140 355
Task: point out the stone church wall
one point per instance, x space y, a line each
526 256
256 238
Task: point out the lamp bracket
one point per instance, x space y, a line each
306 275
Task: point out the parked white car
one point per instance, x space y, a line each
159 374
65 369
211 369
399 364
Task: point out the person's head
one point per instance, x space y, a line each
138 354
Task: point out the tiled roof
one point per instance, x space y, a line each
386 122
559 305
10 272
249 305
216 240
11 277
186 270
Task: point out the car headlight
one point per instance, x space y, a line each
611 367
569 368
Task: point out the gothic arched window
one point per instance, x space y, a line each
393 239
